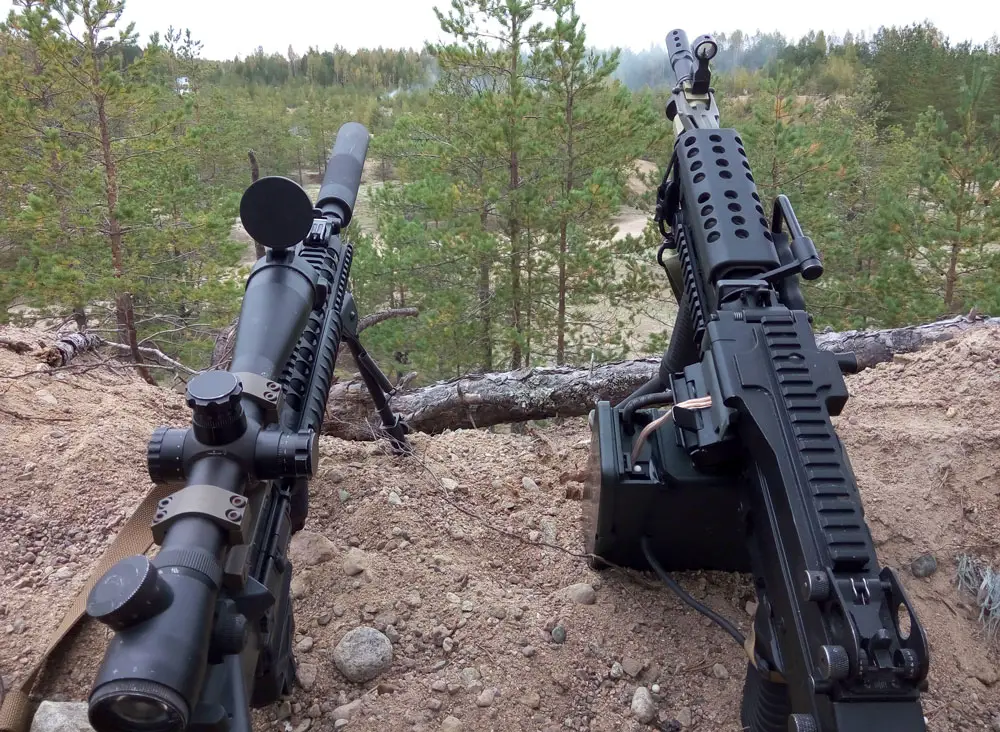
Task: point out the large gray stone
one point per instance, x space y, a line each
61 717
363 654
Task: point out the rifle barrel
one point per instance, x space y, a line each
681 59
342 178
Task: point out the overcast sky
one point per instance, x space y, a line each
231 27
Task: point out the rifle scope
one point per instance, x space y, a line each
179 624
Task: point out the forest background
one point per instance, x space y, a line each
506 166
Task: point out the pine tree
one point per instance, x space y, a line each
493 39
598 131
953 223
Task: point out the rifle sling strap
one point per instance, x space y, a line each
135 537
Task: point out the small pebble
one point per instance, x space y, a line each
528 651
581 594
924 566
324 619
452 724
643 706
394 499
559 634
440 685
531 700
305 645
486 698
616 670
720 672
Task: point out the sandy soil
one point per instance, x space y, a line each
460 557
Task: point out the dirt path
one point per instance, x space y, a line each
464 562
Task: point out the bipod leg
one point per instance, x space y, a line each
377 383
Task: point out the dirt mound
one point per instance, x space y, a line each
458 571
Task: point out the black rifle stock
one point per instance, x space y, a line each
745 472
203 631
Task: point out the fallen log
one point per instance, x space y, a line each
484 400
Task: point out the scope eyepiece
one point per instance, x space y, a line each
137 706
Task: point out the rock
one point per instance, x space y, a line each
720 672
344 495
305 645
340 724
467 606
581 593
924 566
413 599
447 645
470 675
433 704
486 698
451 724
309 548
531 700
529 484
355 562
440 685
986 674
643 706
751 608
994 725
299 587
362 654
616 670
498 611
284 710
559 634
534 536
46 397
19 625
632 667
450 484
684 717
548 527
61 717
951 412
394 499
307 675
347 711
528 651
304 727
324 619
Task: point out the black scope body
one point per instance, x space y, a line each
170 615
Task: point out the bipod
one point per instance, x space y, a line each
377 383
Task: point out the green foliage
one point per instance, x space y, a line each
499 161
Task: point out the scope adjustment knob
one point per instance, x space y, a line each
215 399
129 593
802 723
834 663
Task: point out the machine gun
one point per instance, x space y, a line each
745 473
203 631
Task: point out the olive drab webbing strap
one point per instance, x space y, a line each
135 537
